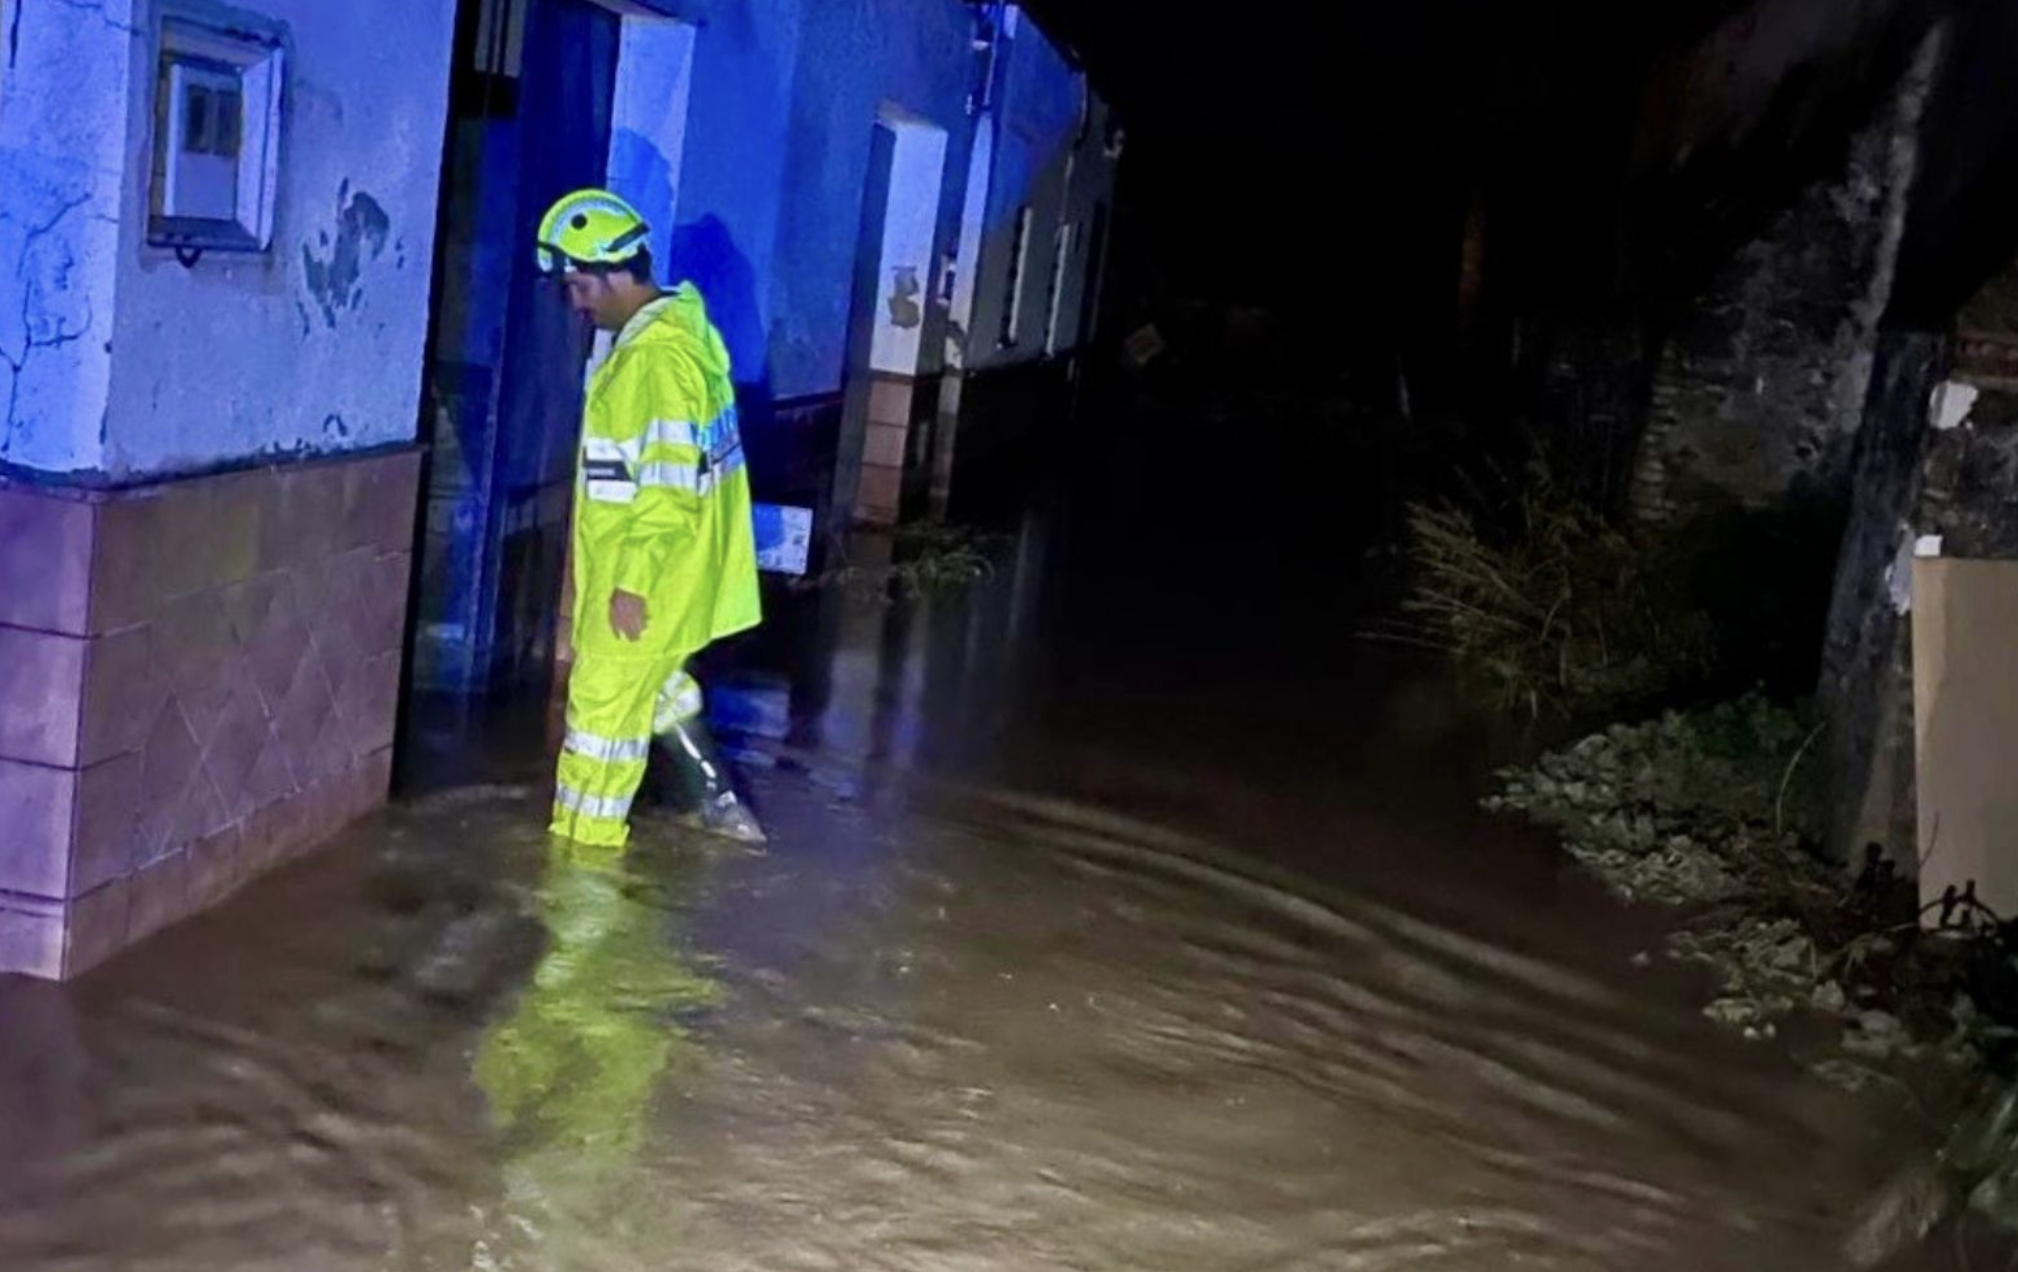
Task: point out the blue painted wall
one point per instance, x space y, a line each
1052 156
730 203
911 55
786 94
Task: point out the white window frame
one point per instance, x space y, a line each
193 50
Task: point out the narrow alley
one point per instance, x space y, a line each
1070 951
968 636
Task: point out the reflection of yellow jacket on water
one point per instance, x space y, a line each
664 508
663 512
571 1071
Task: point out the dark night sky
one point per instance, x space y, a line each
1321 157
1338 72
1324 155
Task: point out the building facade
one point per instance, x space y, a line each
217 228
879 200
289 422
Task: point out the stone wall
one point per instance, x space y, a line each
1937 463
1866 688
1760 388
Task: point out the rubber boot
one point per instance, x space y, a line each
700 785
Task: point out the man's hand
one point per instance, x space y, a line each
628 617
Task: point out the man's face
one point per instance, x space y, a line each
593 297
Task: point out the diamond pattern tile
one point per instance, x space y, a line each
159 896
243 735
239 696
276 641
126 587
108 806
195 651
201 812
303 714
272 778
169 763
216 868
386 596
123 692
96 928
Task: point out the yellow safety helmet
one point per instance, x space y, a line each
590 227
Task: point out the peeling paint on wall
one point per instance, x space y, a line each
245 358
335 275
905 311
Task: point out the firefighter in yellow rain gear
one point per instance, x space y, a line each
664 553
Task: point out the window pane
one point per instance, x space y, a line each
196 120
230 107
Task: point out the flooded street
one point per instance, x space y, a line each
1186 560
1099 930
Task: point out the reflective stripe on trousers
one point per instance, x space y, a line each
608 750
614 707
679 702
604 807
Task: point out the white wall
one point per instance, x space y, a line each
317 346
63 121
910 226
973 235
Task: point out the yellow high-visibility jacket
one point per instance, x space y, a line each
663 500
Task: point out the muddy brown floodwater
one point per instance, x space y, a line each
1091 937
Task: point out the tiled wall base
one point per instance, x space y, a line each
40 936
885 449
198 680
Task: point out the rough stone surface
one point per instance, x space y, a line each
1971 480
1937 458
1760 389
1866 689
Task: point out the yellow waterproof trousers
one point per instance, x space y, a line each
615 707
